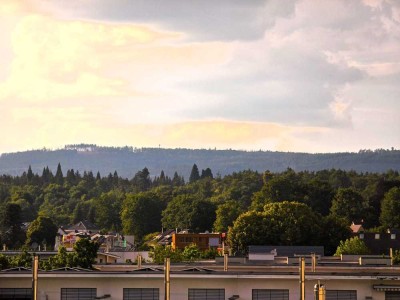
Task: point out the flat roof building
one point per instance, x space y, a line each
206 281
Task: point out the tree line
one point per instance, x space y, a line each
284 208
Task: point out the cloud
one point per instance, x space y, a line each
303 69
224 20
286 75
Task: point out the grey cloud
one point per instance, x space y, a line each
309 84
202 20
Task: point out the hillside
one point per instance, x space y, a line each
127 160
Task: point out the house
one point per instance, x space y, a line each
378 242
114 247
204 241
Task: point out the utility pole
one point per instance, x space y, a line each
139 261
167 269
35 268
225 261
313 262
302 267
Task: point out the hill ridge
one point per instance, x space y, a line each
128 160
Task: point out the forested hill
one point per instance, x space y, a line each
127 160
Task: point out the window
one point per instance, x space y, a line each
393 236
392 295
377 236
141 294
78 294
270 294
206 294
361 236
20 294
341 295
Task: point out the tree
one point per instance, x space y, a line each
352 246
142 180
177 180
85 253
10 226
160 252
349 203
141 214
283 223
191 252
59 177
194 174
41 230
390 209
55 204
4 262
226 214
107 210
207 173
61 260
30 174
23 259
187 212
334 230
319 195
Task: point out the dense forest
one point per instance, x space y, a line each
127 160
255 208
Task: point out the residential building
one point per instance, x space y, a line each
204 241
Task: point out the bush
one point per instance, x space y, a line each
353 246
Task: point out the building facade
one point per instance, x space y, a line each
205 282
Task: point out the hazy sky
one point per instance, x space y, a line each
285 75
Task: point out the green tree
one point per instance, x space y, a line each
318 195
142 180
354 246
23 259
206 173
194 174
191 253
283 223
226 214
10 226
55 204
85 253
159 253
187 212
59 177
4 262
107 210
41 230
141 214
334 230
61 260
349 203
390 209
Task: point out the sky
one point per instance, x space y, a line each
281 75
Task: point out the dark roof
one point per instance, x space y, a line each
19 269
198 269
68 269
288 251
165 237
147 269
